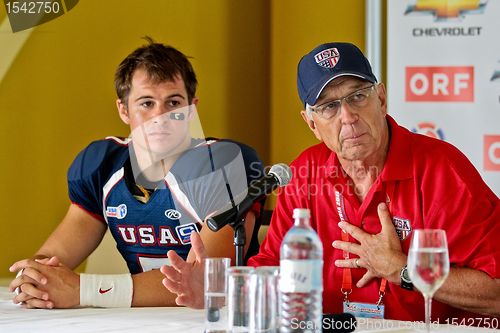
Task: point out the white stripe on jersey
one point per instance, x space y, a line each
124 142
180 196
115 178
208 143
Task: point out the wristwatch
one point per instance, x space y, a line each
405 279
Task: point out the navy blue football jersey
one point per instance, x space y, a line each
205 180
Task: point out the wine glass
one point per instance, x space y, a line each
428 264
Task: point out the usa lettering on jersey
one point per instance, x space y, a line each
184 232
145 235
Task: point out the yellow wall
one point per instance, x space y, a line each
58 93
296 29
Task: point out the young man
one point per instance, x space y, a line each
152 191
378 182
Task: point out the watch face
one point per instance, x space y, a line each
405 279
405 276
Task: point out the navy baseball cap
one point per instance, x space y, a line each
326 63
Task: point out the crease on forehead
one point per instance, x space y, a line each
143 81
143 76
340 87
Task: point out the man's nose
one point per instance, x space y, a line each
159 114
347 114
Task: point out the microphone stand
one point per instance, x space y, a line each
235 217
239 239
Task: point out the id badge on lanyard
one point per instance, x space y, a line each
363 310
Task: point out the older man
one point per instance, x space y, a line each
378 182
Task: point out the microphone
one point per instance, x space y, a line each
279 175
338 323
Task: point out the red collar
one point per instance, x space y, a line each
399 161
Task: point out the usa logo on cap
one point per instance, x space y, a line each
327 58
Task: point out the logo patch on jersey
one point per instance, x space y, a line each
327 58
173 214
403 227
184 232
119 212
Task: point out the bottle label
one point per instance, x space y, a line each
301 276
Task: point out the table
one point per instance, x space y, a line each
14 319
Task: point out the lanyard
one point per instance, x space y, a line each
346 288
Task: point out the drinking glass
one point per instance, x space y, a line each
238 298
264 304
215 294
428 264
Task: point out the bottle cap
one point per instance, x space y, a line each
301 213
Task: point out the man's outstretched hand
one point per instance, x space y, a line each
186 279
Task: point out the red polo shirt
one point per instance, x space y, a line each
430 184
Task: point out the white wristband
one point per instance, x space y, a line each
106 291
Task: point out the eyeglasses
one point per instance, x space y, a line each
357 100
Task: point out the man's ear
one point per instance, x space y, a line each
382 97
311 124
192 109
122 111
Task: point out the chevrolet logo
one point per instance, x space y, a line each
444 9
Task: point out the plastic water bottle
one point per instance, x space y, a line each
301 277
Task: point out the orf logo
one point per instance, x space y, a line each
429 129
492 152
173 214
444 9
327 58
440 84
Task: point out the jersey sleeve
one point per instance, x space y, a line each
215 175
252 164
254 169
87 174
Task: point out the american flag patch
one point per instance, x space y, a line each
403 227
327 58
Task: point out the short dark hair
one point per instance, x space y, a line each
161 62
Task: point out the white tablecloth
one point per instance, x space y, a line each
14 319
